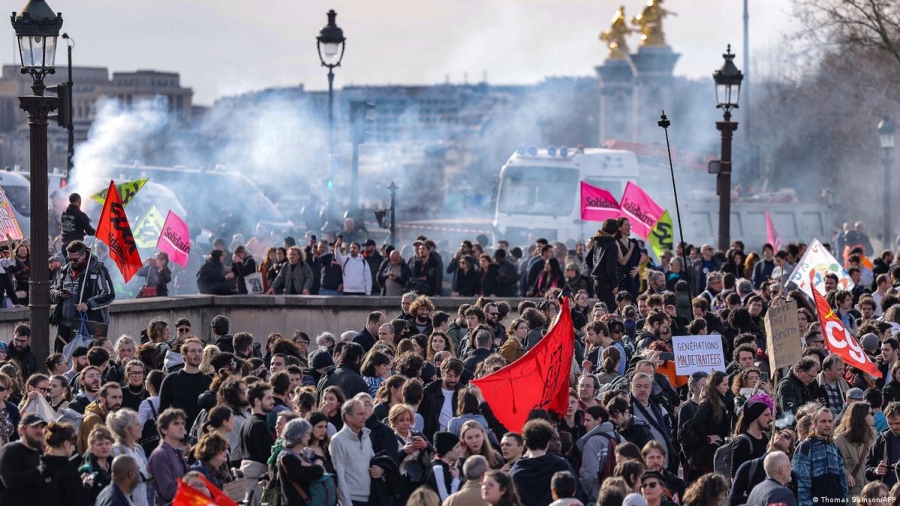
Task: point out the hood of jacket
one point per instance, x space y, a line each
172 359
606 427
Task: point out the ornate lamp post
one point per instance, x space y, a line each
37 28
728 90
886 136
330 44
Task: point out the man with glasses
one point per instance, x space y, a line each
20 350
181 389
814 339
793 391
492 319
81 290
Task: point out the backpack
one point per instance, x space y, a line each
687 439
608 466
723 455
149 436
323 491
197 429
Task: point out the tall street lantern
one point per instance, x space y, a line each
330 44
728 91
37 28
886 135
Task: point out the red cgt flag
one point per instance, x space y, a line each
540 379
115 231
838 339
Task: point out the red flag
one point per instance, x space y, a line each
114 230
597 204
772 236
540 379
838 339
189 496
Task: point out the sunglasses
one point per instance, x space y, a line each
652 484
44 389
183 330
3 389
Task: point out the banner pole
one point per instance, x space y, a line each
664 123
87 264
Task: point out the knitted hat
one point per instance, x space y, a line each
752 410
870 342
321 359
444 442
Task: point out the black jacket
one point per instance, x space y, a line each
19 475
347 378
383 270
877 453
432 402
156 277
98 292
75 224
467 283
241 269
637 431
365 339
791 393
26 360
63 483
431 271
603 261
211 279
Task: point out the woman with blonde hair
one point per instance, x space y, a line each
415 450
474 441
158 331
98 459
210 352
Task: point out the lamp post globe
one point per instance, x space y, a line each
37 29
330 44
728 91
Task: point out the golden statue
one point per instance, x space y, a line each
615 36
650 24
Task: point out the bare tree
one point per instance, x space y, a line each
868 24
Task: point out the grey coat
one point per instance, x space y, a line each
293 279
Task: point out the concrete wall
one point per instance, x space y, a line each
258 314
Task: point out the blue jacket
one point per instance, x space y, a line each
820 471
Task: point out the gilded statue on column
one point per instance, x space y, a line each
615 36
650 24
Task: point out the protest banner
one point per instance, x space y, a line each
597 204
148 229
698 353
9 226
818 260
640 210
175 240
783 340
114 230
540 379
772 235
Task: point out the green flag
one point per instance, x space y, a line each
147 231
662 234
127 191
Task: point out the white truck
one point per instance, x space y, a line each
539 196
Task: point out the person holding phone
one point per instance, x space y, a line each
81 289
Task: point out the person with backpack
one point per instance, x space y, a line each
148 412
298 466
684 432
597 449
751 434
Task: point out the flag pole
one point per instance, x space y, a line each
664 123
87 264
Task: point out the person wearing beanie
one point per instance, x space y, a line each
751 430
443 475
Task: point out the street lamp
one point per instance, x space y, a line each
70 121
728 91
330 44
37 28
886 135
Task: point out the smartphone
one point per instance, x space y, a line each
666 356
764 376
313 238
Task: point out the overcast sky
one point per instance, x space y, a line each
224 47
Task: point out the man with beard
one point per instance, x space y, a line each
885 453
421 309
426 267
181 389
819 465
440 404
20 463
82 286
368 335
89 382
96 412
374 259
256 438
753 425
656 327
20 350
492 319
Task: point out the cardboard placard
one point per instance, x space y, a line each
698 353
783 340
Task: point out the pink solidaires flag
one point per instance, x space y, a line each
597 204
175 240
772 236
640 210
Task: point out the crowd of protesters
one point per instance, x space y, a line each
387 413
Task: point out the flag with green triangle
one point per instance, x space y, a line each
148 228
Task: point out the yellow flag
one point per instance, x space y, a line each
148 228
127 191
661 237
